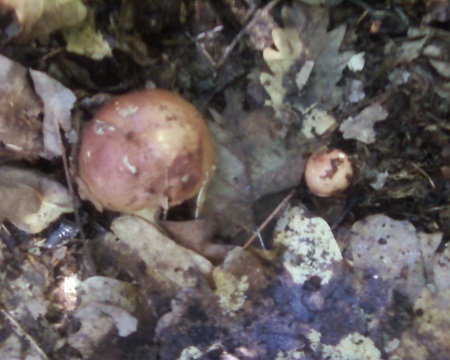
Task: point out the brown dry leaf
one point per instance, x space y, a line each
20 108
196 235
252 161
155 261
35 18
58 102
23 134
31 200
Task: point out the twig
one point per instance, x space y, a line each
255 16
21 332
89 263
269 218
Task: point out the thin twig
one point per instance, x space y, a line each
255 16
89 263
422 172
269 218
22 333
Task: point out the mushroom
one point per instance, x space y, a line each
145 150
328 172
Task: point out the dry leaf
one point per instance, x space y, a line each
427 336
86 40
390 251
309 247
438 54
274 313
306 67
360 127
406 52
58 102
30 199
24 304
106 305
321 2
356 62
323 48
35 18
155 260
251 161
307 28
20 109
196 235
289 50
356 91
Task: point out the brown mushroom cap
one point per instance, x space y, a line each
145 149
328 172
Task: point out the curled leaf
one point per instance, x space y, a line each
30 199
35 18
20 108
58 102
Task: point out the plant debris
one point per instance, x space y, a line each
264 268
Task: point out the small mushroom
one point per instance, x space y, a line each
147 149
328 172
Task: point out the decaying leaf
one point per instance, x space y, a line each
153 258
58 102
310 248
106 305
24 297
389 250
31 200
356 92
360 127
354 346
237 279
356 62
437 53
274 313
289 50
407 51
24 305
22 133
306 66
86 40
20 108
428 335
196 235
304 40
35 18
252 161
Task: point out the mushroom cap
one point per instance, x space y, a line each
328 172
144 149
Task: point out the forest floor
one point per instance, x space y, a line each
269 270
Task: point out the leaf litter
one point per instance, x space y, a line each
371 283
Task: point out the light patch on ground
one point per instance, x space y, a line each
231 291
309 246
